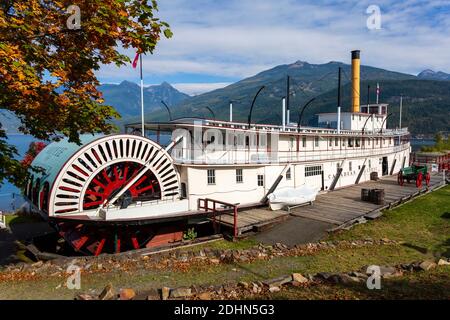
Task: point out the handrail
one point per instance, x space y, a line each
203 204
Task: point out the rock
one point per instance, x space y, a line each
384 271
127 294
165 292
37 264
180 293
243 284
278 282
108 293
347 279
273 289
84 297
214 261
443 262
204 296
427 265
358 275
243 258
255 288
153 297
297 277
323 275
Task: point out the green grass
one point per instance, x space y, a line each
423 224
434 284
423 227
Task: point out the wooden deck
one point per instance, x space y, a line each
253 219
344 206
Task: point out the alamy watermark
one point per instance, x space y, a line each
374 19
374 280
73 282
74 20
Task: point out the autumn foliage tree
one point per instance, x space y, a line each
47 67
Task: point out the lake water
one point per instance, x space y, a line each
10 198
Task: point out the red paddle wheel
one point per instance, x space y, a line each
114 178
92 239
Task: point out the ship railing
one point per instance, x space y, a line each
216 207
269 157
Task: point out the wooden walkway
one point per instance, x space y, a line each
343 207
253 219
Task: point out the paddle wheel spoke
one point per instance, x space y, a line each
115 177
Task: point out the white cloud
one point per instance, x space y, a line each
194 89
239 38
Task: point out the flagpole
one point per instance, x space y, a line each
378 93
142 97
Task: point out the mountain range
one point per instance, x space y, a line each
432 75
426 96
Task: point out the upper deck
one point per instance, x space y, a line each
215 142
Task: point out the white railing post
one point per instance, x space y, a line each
2 220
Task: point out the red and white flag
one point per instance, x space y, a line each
135 61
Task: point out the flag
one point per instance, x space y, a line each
135 61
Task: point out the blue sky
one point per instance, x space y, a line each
219 42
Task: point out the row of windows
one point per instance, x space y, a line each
211 177
313 171
351 142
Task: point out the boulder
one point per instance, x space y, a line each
180 293
127 294
84 297
274 289
443 262
297 277
108 293
427 265
277 282
204 296
165 293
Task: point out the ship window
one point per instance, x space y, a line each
336 142
211 177
350 166
288 174
239 176
260 180
331 142
313 171
357 143
370 163
304 142
350 142
316 141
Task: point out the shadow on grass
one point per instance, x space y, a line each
445 248
417 248
446 215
